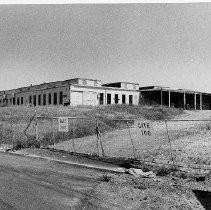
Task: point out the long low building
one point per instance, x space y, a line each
80 91
73 92
179 98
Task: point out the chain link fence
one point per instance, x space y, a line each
176 142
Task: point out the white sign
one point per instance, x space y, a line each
63 124
145 127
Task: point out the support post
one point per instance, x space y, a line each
195 101
161 97
36 126
184 100
169 98
200 101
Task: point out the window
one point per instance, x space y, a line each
39 100
123 99
30 99
44 99
108 98
49 98
61 97
116 99
22 100
130 99
101 98
18 101
55 98
34 100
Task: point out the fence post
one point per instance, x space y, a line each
131 140
98 152
99 138
172 159
52 129
36 126
73 140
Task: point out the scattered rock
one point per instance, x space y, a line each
139 173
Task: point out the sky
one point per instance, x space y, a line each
149 44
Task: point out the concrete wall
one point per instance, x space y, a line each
23 98
95 92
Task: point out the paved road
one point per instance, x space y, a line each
28 183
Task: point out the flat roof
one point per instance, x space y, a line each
159 88
112 83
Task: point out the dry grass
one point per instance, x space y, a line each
14 120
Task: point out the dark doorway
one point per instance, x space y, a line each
44 99
39 100
116 99
101 98
108 98
34 100
49 98
30 99
130 99
123 99
61 97
55 98
18 101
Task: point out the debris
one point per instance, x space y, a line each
139 173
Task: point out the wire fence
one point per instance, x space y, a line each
175 142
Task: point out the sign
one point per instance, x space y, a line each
145 127
63 124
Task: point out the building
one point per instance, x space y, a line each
78 91
179 98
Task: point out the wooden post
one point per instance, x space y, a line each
170 146
97 143
169 98
131 140
201 101
36 126
53 135
99 138
184 100
161 97
195 101
73 140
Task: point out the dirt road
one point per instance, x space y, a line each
28 183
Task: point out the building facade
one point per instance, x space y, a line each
72 92
178 98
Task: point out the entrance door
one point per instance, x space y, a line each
76 98
90 98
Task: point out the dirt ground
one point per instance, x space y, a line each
190 141
125 191
128 192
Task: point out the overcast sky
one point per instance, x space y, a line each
151 44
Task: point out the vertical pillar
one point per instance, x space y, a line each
195 101
200 101
184 100
161 97
169 98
